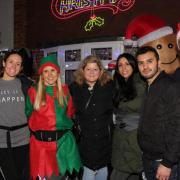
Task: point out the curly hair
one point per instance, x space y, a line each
79 74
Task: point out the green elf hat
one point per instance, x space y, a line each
50 60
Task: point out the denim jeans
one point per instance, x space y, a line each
150 169
100 174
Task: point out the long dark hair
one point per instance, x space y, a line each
124 90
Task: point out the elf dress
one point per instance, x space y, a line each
51 157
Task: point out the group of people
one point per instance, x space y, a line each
152 145
36 141
36 121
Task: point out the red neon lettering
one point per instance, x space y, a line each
65 9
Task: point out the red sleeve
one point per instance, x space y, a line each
70 108
32 94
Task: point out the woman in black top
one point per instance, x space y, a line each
92 97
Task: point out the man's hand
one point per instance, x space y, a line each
163 172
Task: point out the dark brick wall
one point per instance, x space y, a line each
20 23
36 27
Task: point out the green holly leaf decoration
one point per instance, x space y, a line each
94 21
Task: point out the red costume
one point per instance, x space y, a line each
52 157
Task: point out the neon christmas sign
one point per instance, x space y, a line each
65 9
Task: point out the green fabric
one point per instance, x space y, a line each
126 155
28 107
134 105
119 175
49 59
54 177
68 157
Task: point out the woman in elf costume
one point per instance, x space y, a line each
53 149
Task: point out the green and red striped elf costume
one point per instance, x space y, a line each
53 149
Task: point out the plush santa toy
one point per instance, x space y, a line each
153 31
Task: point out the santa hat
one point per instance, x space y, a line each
146 28
50 60
178 35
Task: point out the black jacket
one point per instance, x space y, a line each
26 83
94 114
176 75
159 127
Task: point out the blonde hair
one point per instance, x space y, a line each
79 74
41 94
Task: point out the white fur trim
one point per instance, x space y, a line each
178 39
135 44
128 42
155 35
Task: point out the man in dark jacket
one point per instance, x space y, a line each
159 127
176 76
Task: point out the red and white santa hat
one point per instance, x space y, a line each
146 28
178 36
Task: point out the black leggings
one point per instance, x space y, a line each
14 164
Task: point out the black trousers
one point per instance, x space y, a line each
178 170
14 163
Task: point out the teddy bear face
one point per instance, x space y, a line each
167 49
